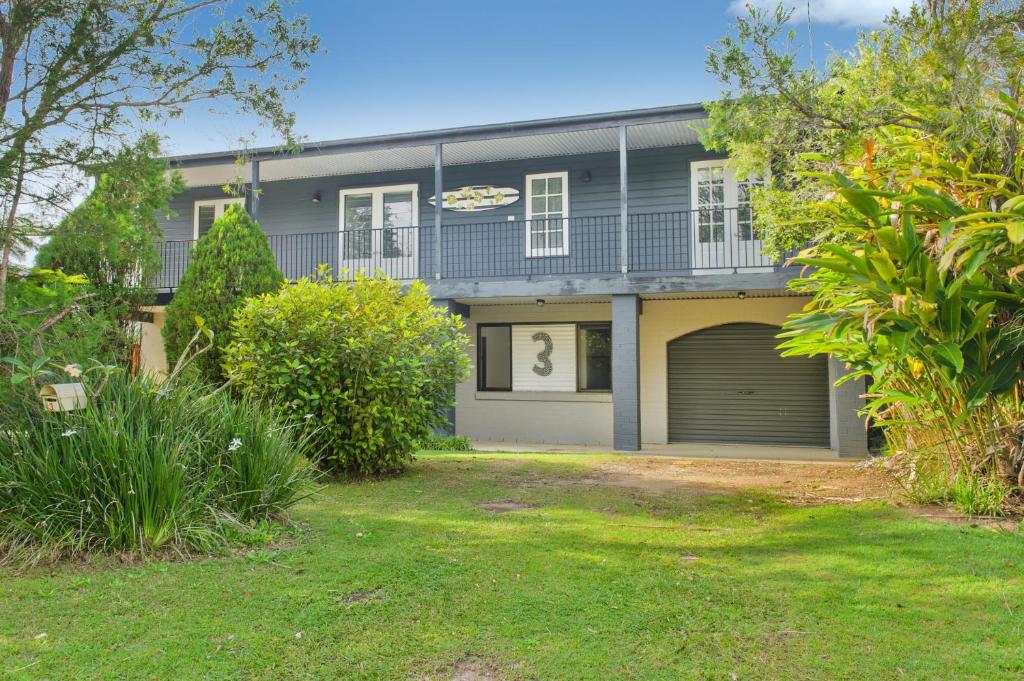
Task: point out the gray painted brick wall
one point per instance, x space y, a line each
626 372
848 433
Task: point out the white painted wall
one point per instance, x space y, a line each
152 356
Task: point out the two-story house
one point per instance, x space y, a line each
607 266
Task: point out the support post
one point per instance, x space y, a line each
438 206
623 199
626 372
254 199
848 433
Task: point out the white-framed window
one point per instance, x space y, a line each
721 203
724 234
379 229
547 214
207 211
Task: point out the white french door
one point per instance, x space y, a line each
722 232
379 230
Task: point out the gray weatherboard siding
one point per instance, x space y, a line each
659 182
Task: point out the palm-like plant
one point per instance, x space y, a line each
922 293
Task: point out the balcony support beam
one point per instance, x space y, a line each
254 197
623 200
438 205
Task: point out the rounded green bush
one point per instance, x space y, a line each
373 367
227 265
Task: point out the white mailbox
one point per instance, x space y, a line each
63 396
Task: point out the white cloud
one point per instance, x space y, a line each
847 13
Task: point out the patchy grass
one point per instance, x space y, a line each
416 578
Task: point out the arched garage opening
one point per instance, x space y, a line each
728 384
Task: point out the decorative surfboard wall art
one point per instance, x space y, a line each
477 197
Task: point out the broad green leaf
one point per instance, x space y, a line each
883 265
1014 204
863 202
980 321
950 354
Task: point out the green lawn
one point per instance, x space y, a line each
404 578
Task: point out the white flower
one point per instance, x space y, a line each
308 416
235 444
69 433
73 370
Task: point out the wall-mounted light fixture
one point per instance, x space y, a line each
540 302
587 177
741 294
316 196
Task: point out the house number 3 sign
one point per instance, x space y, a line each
544 356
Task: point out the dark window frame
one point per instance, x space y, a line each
481 358
580 326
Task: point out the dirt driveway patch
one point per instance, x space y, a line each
504 506
807 483
469 668
799 482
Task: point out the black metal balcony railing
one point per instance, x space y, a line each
679 242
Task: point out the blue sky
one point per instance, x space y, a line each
391 66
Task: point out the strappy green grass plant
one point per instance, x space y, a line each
144 468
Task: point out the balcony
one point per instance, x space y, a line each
680 243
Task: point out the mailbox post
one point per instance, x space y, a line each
63 396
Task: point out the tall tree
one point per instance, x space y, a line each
946 68
111 236
79 78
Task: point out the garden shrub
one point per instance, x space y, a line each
44 325
228 264
143 467
372 365
446 443
926 303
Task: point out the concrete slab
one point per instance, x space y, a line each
686 451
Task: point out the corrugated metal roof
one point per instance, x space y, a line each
501 148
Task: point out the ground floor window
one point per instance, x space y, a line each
565 357
594 345
494 357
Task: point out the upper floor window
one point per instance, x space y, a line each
724 233
379 230
722 203
547 214
207 212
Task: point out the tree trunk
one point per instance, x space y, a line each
8 235
5 266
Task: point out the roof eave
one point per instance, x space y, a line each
463 134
